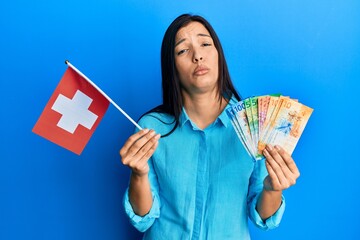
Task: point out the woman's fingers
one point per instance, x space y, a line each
133 138
282 165
276 169
135 143
270 155
142 164
149 148
138 146
145 152
138 149
271 181
290 169
288 160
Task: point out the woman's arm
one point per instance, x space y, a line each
135 153
283 173
140 194
268 203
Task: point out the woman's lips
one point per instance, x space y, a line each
200 70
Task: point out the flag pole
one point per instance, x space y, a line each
104 94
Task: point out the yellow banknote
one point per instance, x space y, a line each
287 125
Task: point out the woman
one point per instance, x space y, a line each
200 183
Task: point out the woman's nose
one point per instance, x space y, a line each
197 57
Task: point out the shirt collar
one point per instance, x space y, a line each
183 117
222 118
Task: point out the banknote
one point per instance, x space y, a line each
263 108
273 110
249 115
287 126
255 118
237 115
273 100
263 104
268 119
232 115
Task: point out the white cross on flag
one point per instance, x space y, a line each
72 114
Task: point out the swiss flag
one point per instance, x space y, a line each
72 114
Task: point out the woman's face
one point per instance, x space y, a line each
196 59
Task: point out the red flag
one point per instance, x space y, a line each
72 114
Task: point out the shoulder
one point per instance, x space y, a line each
160 122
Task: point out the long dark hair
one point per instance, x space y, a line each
171 90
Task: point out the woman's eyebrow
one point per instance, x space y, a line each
204 35
180 41
199 35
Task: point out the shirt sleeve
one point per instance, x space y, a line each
142 223
255 189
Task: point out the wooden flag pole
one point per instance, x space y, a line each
104 94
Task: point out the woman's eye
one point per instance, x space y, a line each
206 44
181 51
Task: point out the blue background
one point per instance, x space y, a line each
309 50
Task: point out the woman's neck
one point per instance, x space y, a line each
203 109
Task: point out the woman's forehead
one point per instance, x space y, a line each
193 28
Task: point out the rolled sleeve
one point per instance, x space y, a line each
255 188
271 222
142 223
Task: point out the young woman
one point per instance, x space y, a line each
197 180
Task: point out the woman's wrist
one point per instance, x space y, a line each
273 193
139 176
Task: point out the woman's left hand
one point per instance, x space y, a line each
282 169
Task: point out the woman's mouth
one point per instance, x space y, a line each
201 70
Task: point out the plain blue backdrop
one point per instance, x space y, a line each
309 50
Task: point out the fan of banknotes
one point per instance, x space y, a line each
269 119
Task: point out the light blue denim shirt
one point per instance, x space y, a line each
203 182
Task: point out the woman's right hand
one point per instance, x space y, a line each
138 149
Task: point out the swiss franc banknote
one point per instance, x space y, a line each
269 119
